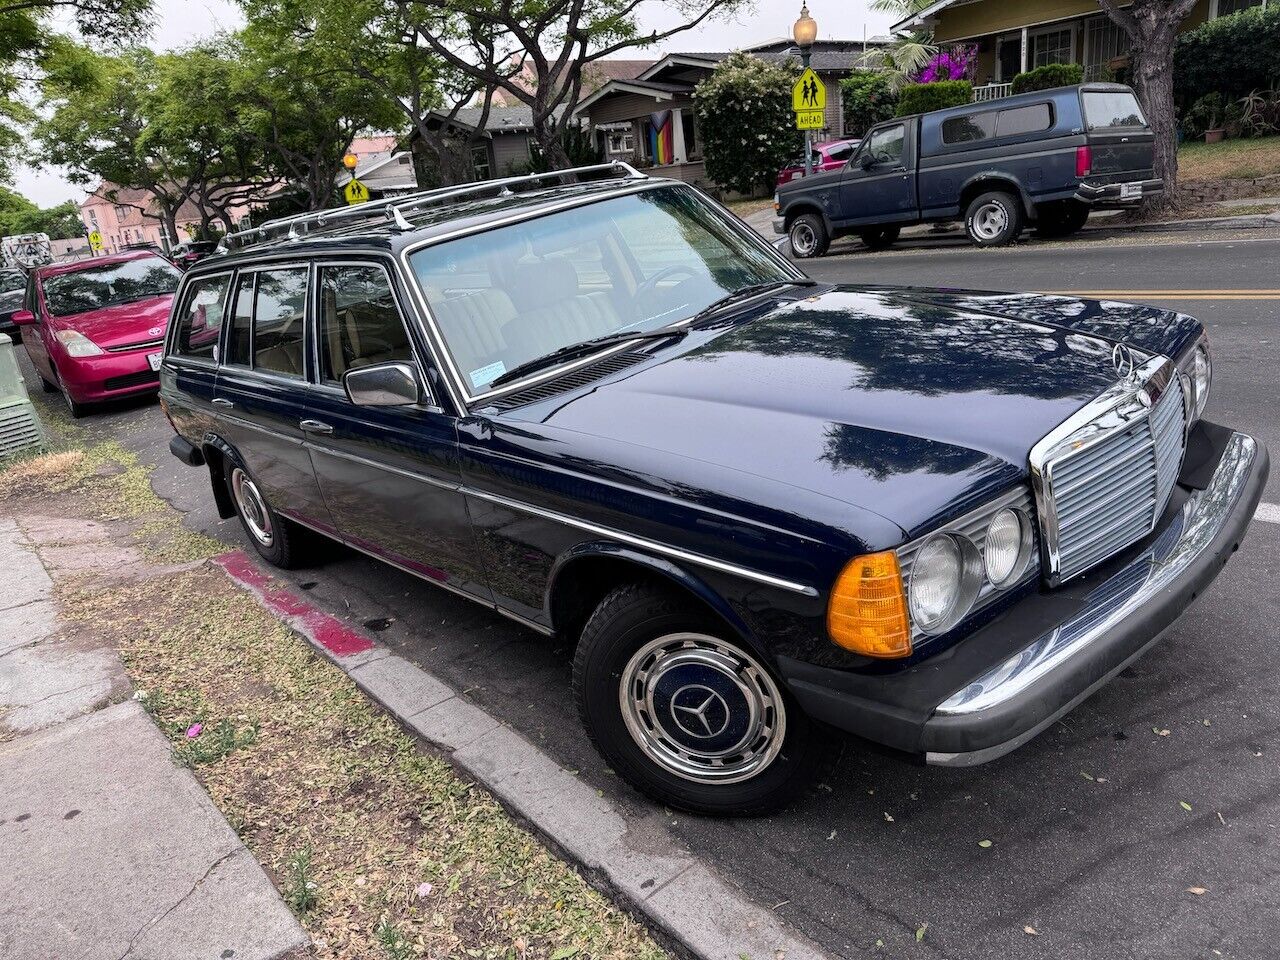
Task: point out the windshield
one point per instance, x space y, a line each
506 296
105 286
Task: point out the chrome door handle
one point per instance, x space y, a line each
222 402
315 426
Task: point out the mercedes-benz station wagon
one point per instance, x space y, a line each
762 509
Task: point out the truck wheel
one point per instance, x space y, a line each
993 219
809 236
686 712
880 238
1061 220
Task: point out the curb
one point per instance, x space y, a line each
683 900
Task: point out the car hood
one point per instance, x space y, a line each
121 324
912 410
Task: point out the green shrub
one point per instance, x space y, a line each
923 97
1232 55
868 99
1049 76
745 121
1205 114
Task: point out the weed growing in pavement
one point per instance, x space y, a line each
299 886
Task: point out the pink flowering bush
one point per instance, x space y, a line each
958 63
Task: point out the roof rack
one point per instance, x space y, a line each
392 209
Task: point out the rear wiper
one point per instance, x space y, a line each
584 347
750 290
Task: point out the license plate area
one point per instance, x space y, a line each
153 360
1130 191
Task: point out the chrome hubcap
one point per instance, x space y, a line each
802 239
252 507
990 221
702 709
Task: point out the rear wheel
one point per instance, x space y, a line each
685 711
879 238
993 219
271 534
1061 220
809 236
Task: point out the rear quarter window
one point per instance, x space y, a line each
967 129
1030 119
1112 110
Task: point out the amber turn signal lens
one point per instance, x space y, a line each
868 609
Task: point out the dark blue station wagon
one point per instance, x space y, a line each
764 510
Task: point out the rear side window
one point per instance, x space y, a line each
200 318
279 321
1112 109
1030 119
240 344
359 321
976 126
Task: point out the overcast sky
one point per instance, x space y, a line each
180 22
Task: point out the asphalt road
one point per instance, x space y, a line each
1092 854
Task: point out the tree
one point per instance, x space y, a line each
20 215
744 115
909 53
1152 27
28 38
536 51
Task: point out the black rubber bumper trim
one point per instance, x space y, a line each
185 451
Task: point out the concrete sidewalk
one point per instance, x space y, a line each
110 849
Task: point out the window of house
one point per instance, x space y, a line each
689 126
615 143
93 217
1054 46
200 319
480 162
1104 41
1030 119
279 320
121 211
360 323
628 143
1227 7
966 129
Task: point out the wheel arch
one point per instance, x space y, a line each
584 576
988 180
801 207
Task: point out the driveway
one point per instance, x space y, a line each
1144 825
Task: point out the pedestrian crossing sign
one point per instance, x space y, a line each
356 192
810 119
809 93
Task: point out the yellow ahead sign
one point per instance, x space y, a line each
95 241
355 192
811 119
808 94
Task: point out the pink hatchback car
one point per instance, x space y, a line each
828 155
97 326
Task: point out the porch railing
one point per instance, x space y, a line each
992 91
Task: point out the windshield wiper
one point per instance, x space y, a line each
742 293
584 347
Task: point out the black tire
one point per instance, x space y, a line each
635 625
809 237
1060 220
74 407
880 238
46 385
993 219
274 537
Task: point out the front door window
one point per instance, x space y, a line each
885 145
359 321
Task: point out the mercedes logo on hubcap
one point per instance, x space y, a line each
699 711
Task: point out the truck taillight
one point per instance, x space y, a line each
1084 161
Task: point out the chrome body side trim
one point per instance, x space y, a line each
652 545
1146 576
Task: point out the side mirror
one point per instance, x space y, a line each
24 318
383 385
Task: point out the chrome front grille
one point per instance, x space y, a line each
1104 477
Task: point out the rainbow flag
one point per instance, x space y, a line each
660 144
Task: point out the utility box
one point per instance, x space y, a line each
19 425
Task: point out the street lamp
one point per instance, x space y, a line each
805 32
350 161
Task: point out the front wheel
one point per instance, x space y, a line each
880 238
686 712
809 236
993 219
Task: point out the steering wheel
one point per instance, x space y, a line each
651 284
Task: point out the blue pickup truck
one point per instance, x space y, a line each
1044 158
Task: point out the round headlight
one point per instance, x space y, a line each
1201 377
943 582
1008 547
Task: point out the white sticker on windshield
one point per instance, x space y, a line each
487 374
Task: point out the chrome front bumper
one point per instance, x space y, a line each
1120 621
